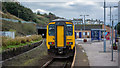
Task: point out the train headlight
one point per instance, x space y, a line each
50 43
70 43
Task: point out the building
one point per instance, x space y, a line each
87 21
7 34
81 33
77 21
119 11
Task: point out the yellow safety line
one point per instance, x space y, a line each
74 59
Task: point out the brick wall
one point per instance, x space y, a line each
86 36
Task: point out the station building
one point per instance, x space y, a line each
92 30
81 33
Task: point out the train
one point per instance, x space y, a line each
60 38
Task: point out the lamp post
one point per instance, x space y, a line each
110 18
84 22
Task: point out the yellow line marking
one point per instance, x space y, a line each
74 59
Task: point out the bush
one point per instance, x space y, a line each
28 39
5 41
18 41
23 40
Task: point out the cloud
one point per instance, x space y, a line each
66 0
70 3
41 11
72 9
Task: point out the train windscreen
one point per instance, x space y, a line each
69 30
51 30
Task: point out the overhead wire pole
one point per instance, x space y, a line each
104 26
84 26
110 24
112 38
84 23
112 30
110 18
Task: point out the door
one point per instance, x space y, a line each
80 34
60 36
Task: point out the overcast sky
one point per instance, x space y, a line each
70 9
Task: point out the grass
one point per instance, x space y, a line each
21 29
8 43
16 46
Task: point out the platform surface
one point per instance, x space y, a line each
81 58
96 55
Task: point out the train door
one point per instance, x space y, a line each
60 36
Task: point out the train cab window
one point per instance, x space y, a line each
69 30
51 29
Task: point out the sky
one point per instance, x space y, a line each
70 9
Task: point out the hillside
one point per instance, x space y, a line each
25 13
15 11
9 16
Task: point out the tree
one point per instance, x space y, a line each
38 12
118 28
19 11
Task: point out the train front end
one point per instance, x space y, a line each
60 38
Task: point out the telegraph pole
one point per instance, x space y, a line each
84 22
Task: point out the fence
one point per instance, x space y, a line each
12 20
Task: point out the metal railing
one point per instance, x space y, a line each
12 20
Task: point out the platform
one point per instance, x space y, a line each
81 59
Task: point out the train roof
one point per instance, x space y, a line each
58 20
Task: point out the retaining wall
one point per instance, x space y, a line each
16 51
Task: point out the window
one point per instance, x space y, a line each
77 34
51 29
69 29
88 33
84 33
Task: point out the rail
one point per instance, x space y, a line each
61 62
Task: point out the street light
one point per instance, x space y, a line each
84 22
110 18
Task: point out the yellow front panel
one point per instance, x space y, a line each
60 36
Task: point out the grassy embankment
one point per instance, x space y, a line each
8 43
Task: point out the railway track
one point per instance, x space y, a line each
59 63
